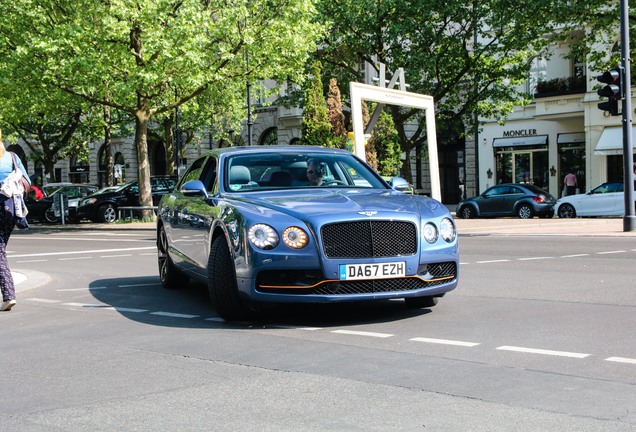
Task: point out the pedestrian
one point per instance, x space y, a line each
7 223
36 192
570 183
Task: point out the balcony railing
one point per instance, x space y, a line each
561 86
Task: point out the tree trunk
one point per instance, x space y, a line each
107 148
168 139
141 142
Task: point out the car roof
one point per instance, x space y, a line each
276 149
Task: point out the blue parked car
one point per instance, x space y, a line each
302 224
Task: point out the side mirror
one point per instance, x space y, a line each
399 184
194 188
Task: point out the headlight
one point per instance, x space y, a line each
447 230
295 237
263 236
88 201
430 232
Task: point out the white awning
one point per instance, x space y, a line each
611 141
520 141
571 138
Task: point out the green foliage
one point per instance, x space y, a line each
472 57
336 117
316 129
386 142
148 58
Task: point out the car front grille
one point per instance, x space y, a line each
369 239
312 282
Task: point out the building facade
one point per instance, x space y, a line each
561 131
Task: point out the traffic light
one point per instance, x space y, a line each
613 90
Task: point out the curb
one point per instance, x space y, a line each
28 279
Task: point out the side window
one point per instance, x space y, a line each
209 174
194 172
495 191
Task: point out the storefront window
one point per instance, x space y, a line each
522 164
572 159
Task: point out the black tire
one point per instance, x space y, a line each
525 211
222 287
467 212
169 275
421 302
49 216
567 211
107 213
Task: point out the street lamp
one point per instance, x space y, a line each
249 101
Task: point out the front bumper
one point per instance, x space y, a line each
310 286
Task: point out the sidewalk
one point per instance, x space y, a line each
610 227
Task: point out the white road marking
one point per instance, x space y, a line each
43 300
115 256
75 258
362 333
543 351
82 289
84 239
85 305
492 261
621 360
85 252
31 261
122 309
610 252
445 342
174 315
575 255
110 234
534 258
137 285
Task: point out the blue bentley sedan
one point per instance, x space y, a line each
302 224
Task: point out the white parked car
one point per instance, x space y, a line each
606 199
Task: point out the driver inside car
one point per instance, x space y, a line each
316 170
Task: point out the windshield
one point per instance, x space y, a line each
261 171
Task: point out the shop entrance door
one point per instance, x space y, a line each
522 167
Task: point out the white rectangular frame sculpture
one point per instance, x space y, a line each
360 92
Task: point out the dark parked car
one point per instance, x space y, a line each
246 222
508 199
42 209
103 206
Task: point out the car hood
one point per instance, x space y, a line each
305 204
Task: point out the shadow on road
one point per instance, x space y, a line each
144 300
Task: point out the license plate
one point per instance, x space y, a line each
372 271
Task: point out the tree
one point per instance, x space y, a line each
316 129
143 53
471 56
386 144
336 117
52 124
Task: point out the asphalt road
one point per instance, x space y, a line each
537 337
